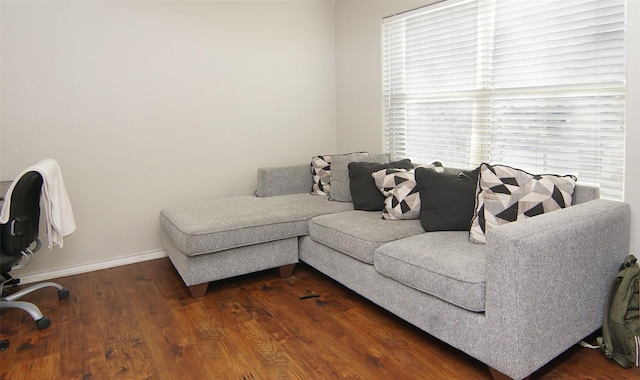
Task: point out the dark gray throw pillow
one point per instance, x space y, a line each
364 192
447 199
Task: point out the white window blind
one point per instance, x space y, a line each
538 85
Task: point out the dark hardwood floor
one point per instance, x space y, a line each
139 322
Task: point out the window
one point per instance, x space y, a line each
538 85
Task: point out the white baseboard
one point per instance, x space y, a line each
44 276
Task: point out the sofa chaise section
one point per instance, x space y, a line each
218 239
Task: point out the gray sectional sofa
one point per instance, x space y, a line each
533 290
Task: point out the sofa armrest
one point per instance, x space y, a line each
284 180
547 279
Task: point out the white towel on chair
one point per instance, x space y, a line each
57 207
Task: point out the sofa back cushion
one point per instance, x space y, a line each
340 183
283 180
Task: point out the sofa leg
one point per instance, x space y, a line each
199 290
497 375
286 270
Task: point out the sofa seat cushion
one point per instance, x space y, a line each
444 264
222 224
358 233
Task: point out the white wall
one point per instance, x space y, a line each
358 70
149 104
359 94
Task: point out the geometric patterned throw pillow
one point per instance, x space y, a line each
321 170
401 196
505 194
400 189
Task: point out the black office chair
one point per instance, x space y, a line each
17 237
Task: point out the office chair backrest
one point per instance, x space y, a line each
24 218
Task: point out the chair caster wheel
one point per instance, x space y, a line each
63 293
43 323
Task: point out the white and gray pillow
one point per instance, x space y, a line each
321 170
402 198
506 194
365 194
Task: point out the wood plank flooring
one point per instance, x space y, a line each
139 322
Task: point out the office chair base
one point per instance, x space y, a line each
42 322
62 292
30 308
7 280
